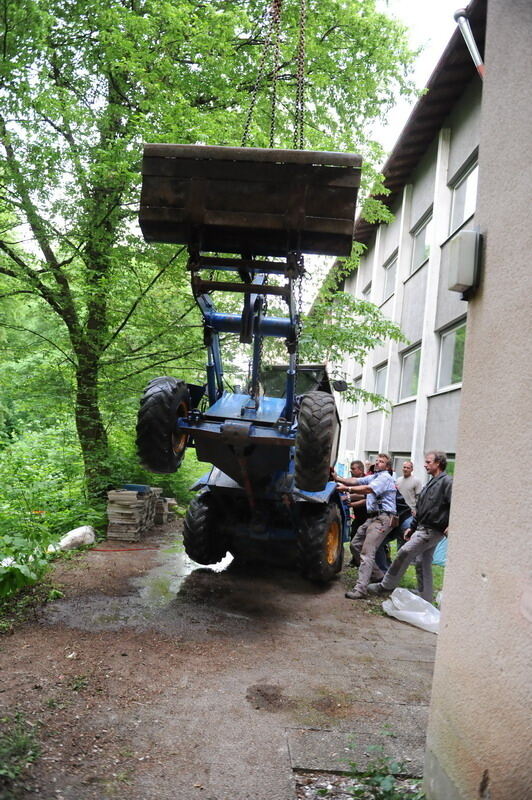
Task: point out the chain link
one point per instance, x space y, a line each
299 122
299 298
272 38
277 7
260 74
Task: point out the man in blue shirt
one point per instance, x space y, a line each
379 489
428 528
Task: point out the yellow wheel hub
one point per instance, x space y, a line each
179 441
332 542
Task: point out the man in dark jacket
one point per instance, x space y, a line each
428 528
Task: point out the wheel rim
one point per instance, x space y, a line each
179 440
332 542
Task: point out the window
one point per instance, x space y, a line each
464 198
451 461
390 271
409 373
451 356
421 248
371 456
380 379
397 464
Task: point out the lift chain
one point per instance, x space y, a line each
272 37
263 312
299 293
300 91
277 7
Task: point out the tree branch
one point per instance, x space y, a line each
63 302
138 299
32 276
40 336
20 291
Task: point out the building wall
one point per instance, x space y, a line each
421 303
478 743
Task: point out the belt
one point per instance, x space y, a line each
377 513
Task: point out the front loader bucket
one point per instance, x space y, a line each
249 200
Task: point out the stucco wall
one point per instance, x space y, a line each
442 421
464 123
423 185
478 743
402 425
374 420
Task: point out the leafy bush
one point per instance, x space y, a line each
42 498
43 495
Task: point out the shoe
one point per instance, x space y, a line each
354 594
377 588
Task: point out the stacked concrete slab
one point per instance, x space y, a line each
131 513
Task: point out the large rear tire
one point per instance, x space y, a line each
314 441
160 446
201 538
320 546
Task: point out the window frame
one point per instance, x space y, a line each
442 335
404 356
455 185
421 225
377 370
392 261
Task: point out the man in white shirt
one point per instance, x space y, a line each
409 486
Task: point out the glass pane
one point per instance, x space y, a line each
389 279
464 199
452 357
450 465
410 374
421 250
380 380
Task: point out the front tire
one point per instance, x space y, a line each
314 441
160 446
319 541
201 537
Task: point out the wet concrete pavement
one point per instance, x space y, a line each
238 681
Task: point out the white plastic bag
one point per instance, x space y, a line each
408 607
77 538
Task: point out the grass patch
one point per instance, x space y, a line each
408 581
18 750
24 605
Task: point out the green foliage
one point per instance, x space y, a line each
18 749
378 780
380 777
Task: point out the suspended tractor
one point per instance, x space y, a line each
253 212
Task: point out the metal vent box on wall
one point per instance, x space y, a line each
249 200
464 253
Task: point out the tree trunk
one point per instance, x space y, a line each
90 427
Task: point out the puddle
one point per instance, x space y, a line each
152 603
158 587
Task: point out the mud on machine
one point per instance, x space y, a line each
253 212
